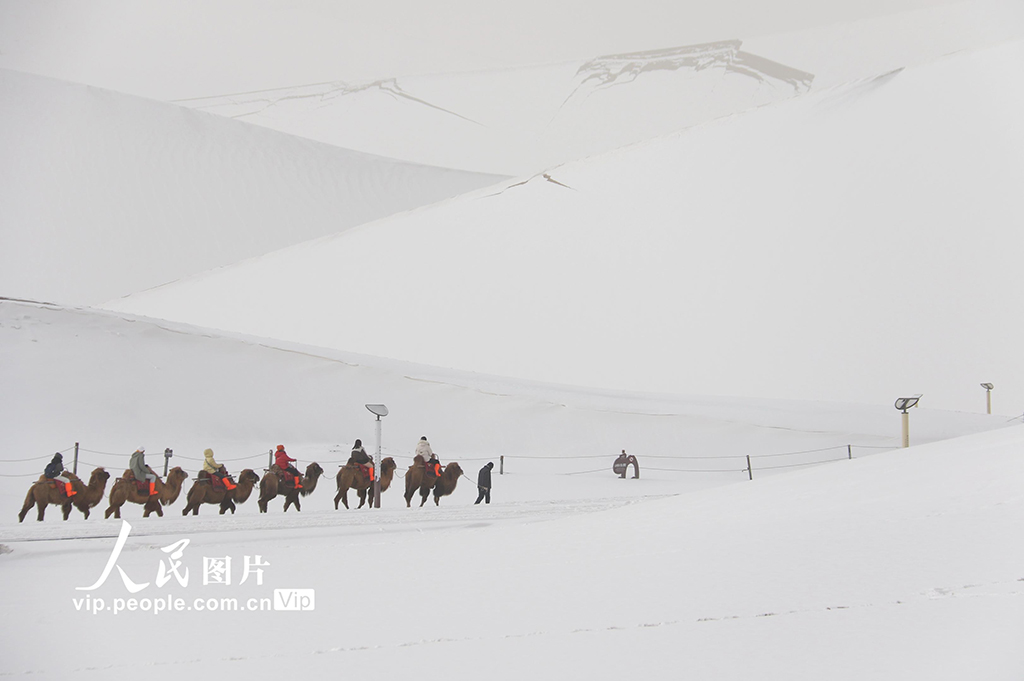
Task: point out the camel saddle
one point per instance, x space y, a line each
141 485
283 478
214 480
366 471
61 487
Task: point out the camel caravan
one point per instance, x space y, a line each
139 484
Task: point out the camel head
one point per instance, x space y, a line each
387 466
313 470
456 469
176 476
99 477
248 475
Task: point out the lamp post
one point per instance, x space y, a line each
903 404
988 397
377 410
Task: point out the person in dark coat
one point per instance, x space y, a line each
361 458
483 483
53 471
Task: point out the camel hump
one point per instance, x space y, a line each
418 459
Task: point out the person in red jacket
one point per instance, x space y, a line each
283 462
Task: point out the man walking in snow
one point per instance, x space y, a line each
483 483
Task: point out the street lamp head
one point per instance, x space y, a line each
377 409
987 386
905 403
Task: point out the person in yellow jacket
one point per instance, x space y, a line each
214 468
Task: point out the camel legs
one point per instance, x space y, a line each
151 506
424 493
66 509
341 496
227 505
29 503
116 510
362 498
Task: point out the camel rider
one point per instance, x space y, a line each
141 471
360 457
423 449
216 469
283 462
53 471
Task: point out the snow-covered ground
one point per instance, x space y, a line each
891 564
828 223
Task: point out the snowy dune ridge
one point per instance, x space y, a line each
524 119
106 194
519 121
820 248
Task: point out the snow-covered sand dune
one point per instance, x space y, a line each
112 384
105 194
855 243
527 118
519 121
851 245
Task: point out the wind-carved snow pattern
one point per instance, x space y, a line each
618 69
320 94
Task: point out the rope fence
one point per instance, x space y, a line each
264 459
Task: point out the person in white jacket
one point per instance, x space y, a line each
423 449
430 459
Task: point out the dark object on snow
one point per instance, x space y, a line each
622 464
483 483
55 467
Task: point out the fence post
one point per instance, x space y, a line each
849 452
74 468
501 469
270 461
750 469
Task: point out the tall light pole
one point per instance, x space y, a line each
988 397
903 404
377 410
